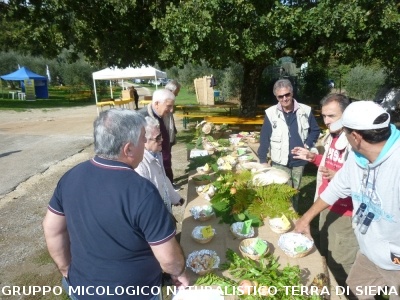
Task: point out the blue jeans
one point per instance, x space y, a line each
65 285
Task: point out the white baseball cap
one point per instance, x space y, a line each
361 115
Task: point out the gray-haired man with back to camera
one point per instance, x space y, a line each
371 176
100 226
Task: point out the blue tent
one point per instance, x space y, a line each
23 73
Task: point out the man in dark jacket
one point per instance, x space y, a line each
161 107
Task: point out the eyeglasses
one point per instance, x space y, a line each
157 138
280 97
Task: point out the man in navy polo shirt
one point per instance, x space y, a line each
107 228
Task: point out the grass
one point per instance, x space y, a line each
50 277
60 97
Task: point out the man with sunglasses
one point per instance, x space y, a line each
287 125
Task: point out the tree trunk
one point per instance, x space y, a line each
252 76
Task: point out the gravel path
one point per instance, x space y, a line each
23 204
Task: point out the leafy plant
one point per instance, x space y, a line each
273 200
238 200
200 161
265 272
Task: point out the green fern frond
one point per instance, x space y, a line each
273 200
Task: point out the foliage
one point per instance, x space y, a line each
200 161
74 73
273 200
229 80
190 71
231 83
265 272
363 82
306 30
214 280
107 32
314 84
251 33
237 199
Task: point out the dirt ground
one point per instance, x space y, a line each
23 256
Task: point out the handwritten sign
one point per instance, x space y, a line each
246 227
260 246
207 231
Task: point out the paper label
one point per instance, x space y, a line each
207 231
260 247
246 227
197 152
285 221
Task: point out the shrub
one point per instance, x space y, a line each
363 82
313 84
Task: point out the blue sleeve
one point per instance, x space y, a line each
155 220
314 131
265 138
55 204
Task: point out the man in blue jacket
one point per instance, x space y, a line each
287 125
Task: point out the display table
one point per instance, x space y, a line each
311 265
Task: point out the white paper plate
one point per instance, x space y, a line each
196 233
237 229
294 243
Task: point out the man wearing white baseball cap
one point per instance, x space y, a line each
371 176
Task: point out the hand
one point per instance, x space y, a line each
181 202
327 173
303 153
302 226
181 281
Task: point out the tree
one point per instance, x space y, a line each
107 32
256 33
253 33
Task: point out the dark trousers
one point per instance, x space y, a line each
170 174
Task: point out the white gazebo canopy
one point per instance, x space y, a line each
144 72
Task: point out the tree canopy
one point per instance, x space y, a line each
254 33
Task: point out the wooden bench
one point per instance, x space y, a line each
104 103
145 102
123 102
186 117
239 122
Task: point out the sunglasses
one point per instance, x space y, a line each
157 138
280 97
